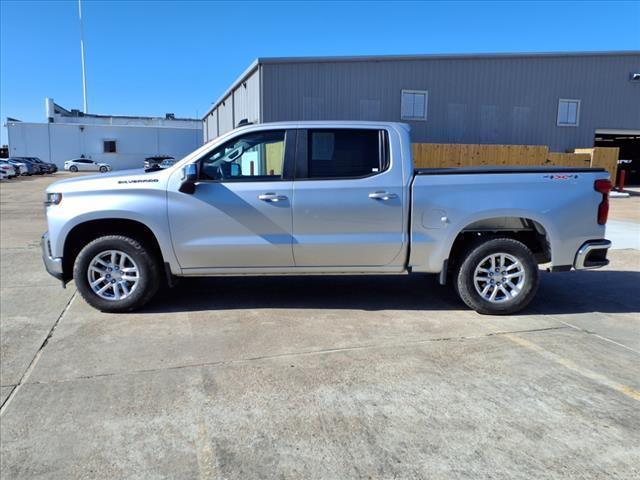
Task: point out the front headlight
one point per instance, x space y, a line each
53 199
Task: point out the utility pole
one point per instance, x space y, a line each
84 73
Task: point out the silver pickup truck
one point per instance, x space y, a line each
323 198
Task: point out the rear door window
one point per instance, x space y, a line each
344 153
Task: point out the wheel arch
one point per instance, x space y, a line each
531 231
84 232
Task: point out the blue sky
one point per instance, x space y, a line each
148 58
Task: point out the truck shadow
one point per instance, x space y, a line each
559 293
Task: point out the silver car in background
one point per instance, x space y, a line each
21 167
8 170
86 165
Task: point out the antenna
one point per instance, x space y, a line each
84 73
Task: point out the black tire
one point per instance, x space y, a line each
103 169
150 273
472 258
73 168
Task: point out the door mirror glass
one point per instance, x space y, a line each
189 177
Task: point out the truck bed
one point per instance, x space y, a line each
560 202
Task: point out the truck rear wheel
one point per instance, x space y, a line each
497 277
116 274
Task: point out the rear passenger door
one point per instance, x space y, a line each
347 200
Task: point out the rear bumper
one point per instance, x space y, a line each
592 254
53 265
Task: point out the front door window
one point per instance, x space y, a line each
254 157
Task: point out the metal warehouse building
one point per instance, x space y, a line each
562 100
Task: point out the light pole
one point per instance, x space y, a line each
84 73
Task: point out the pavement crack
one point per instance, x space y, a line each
36 357
595 334
321 351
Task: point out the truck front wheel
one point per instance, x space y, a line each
497 277
115 273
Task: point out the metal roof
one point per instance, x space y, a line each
78 114
438 56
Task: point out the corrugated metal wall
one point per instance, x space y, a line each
242 102
471 100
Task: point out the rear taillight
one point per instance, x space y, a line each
604 187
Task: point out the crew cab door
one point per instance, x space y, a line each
240 212
348 199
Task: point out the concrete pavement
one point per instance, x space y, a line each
314 377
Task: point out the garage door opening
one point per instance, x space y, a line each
628 141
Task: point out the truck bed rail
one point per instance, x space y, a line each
498 170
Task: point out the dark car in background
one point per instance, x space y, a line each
37 168
45 166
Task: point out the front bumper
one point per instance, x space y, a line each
592 254
52 264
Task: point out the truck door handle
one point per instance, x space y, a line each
272 197
382 196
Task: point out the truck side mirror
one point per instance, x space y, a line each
189 178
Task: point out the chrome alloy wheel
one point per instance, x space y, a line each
499 277
113 275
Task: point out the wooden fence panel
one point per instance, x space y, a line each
569 159
603 157
444 155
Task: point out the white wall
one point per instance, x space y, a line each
57 142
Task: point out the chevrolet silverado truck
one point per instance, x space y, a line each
323 198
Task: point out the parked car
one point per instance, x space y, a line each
86 165
8 169
45 167
36 168
21 167
155 161
324 198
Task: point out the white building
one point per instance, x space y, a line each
121 141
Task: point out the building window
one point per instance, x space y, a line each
109 146
414 104
568 113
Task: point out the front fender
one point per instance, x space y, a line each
148 209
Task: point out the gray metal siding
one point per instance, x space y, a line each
242 102
211 126
225 115
502 100
246 99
